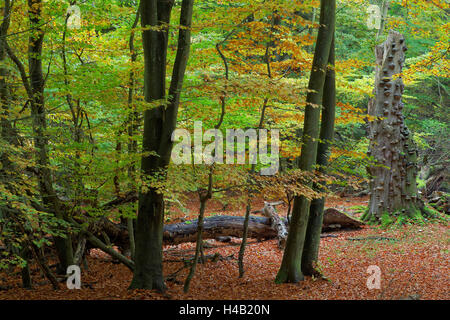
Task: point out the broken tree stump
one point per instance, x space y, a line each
392 186
276 223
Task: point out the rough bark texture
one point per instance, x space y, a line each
276 223
258 228
217 226
393 186
290 270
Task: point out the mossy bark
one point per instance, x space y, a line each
159 123
291 270
315 220
38 112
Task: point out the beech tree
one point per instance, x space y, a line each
315 219
291 269
34 84
159 123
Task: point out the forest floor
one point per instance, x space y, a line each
413 260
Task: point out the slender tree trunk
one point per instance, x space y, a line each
4 89
159 123
291 270
204 197
384 13
315 220
132 128
10 136
250 192
276 20
49 197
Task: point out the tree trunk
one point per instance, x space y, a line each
6 130
315 220
393 187
159 123
132 127
8 135
290 270
199 245
48 194
384 13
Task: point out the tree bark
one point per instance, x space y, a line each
6 130
276 223
204 197
384 13
250 192
48 194
132 127
10 137
393 187
290 270
315 220
159 123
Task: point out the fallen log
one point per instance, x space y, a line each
213 227
334 219
259 228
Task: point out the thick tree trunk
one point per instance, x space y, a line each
315 220
219 226
290 270
393 187
148 234
159 123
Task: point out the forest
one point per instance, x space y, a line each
224 150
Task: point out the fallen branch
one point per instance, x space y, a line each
99 244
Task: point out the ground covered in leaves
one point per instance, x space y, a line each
413 260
